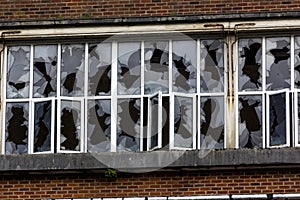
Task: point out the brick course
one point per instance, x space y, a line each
75 9
150 184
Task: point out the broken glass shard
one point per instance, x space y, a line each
212 66
70 128
212 122
42 126
16 133
183 122
44 70
184 66
277 119
156 67
99 125
278 59
72 70
128 129
18 72
250 69
250 121
99 69
129 68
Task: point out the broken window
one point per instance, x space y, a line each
99 69
72 69
128 124
184 66
18 72
16 128
99 125
212 125
44 70
184 129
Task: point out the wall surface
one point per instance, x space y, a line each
151 184
72 9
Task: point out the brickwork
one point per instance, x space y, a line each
150 184
74 9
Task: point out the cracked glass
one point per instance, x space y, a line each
212 122
18 72
212 66
129 68
70 125
250 121
72 69
250 64
16 132
278 61
45 71
183 122
128 124
99 69
184 66
156 67
42 126
99 125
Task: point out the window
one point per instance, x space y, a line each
118 95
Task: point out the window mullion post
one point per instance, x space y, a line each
3 96
230 136
31 104
264 98
58 107
171 109
114 100
85 101
198 105
142 94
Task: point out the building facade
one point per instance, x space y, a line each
150 99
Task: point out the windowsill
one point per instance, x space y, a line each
152 161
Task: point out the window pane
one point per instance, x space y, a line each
212 66
298 120
184 66
99 125
277 119
153 127
183 122
156 67
70 125
278 63
297 62
18 72
42 126
212 122
129 68
44 71
72 70
16 133
128 130
250 121
250 68
99 69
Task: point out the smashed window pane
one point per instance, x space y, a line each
70 128
153 126
250 68
278 63
184 66
156 67
99 125
16 123
128 130
72 70
99 69
183 122
212 122
250 121
44 71
129 68
18 72
42 126
212 66
297 62
298 120
277 119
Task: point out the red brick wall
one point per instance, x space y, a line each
150 184
60 9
